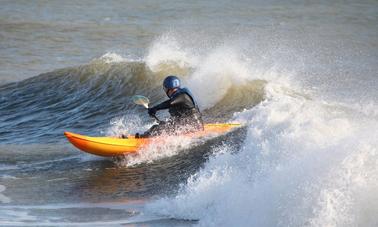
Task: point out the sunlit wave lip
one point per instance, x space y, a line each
112 57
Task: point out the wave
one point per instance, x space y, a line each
88 97
304 161
77 97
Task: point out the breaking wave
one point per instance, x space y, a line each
304 161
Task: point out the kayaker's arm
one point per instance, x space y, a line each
164 105
181 99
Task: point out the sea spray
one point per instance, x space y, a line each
297 167
126 125
159 149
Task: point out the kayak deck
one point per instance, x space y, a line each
111 146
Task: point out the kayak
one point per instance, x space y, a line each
112 146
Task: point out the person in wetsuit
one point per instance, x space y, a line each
185 114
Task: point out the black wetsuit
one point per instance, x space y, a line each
185 115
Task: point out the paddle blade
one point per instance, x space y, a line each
141 100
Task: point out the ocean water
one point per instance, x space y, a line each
300 75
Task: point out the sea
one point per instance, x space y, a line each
300 76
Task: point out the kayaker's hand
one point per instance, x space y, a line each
152 111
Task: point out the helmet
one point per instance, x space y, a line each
171 82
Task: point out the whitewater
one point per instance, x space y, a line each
306 161
304 90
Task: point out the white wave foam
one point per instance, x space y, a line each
125 125
3 198
132 124
369 108
6 176
112 57
8 167
302 164
219 70
168 50
213 72
159 149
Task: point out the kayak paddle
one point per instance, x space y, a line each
143 101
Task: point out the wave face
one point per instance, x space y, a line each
88 97
82 98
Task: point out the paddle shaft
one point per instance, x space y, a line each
158 120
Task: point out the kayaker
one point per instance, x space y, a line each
185 114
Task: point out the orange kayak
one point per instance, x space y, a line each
111 146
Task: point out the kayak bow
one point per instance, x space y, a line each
112 146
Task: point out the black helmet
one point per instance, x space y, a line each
171 82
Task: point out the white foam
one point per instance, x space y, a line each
212 72
3 198
6 176
159 149
368 107
219 70
8 167
302 164
22 215
112 57
129 124
167 50
132 124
